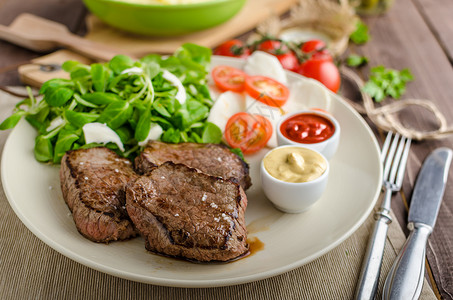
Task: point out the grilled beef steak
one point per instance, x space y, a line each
213 159
184 213
92 182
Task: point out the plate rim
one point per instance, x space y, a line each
197 283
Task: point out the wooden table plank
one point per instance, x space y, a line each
438 14
69 12
401 39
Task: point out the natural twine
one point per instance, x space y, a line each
386 117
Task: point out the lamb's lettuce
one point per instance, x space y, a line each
128 96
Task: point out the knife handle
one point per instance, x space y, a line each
371 266
405 279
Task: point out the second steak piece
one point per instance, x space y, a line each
92 183
213 159
184 213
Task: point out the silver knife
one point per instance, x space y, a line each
405 279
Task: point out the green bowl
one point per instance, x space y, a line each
164 20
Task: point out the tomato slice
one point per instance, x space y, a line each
248 132
228 78
267 90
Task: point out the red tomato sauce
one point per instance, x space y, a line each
307 128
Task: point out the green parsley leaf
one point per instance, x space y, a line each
360 35
385 82
355 60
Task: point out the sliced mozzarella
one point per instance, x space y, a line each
306 94
102 134
227 104
264 64
273 114
181 94
154 133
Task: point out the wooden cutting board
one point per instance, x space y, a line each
253 13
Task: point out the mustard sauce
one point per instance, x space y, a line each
294 164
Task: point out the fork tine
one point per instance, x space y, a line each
390 155
394 156
403 163
396 160
385 147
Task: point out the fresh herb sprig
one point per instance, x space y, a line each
355 60
385 82
128 96
360 34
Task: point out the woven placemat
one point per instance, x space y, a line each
29 269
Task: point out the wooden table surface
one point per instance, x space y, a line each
414 34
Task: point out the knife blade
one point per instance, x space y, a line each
405 279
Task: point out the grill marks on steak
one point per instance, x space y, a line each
92 182
213 159
184 213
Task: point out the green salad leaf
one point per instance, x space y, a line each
129 96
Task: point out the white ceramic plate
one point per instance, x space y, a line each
290 240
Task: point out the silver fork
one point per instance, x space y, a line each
394 158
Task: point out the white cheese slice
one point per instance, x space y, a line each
181 94
264 64
102 134
154 133
226 105
306 94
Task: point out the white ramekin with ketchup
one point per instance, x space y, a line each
312 129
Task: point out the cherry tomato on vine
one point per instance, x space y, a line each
273 47
235 48
317 49
322 70
287 58
313 45
288 61
266 90
322 55
228 78
248 132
